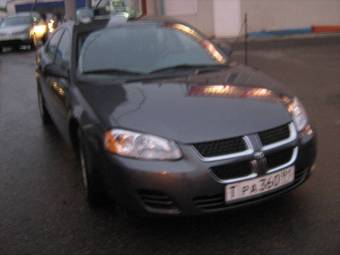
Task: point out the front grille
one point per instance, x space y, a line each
279 158
157 200
231 171
215 203
274 135
221 147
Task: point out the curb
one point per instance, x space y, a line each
326 29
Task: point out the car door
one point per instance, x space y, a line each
59 84
45 60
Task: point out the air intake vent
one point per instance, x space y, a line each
157 201
232 171
274 135
279 158
221 147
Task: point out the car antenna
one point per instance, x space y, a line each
246 38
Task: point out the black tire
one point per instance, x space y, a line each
92 185
32 45
16 48
44 115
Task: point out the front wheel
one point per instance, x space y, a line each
32 45
93 188
44 115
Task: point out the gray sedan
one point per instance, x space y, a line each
16 31
164 123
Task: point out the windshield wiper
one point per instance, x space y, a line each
188 67
196 68
112 72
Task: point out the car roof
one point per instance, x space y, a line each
160 19
24 14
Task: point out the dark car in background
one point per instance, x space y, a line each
20 29
163 122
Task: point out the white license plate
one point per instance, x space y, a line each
247 189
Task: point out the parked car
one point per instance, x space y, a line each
19 29
163 122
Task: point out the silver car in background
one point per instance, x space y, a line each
16 30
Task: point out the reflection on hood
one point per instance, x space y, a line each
232 91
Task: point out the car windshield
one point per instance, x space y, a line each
147 48
16 21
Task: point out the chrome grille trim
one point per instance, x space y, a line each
288 164
241 179
291 138
255 175
248 151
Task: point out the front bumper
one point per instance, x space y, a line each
15 40
187 186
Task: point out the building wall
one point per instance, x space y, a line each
199 13
153 8
224 18
227 18
11 5
285 14
203 19
41 6
3 3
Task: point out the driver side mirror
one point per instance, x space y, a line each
85 15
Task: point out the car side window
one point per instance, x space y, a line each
63 51
53 44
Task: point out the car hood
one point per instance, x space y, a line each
14 29
199 108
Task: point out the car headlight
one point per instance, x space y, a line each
39 30
298 113
141 146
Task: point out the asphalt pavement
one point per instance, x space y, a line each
42 210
